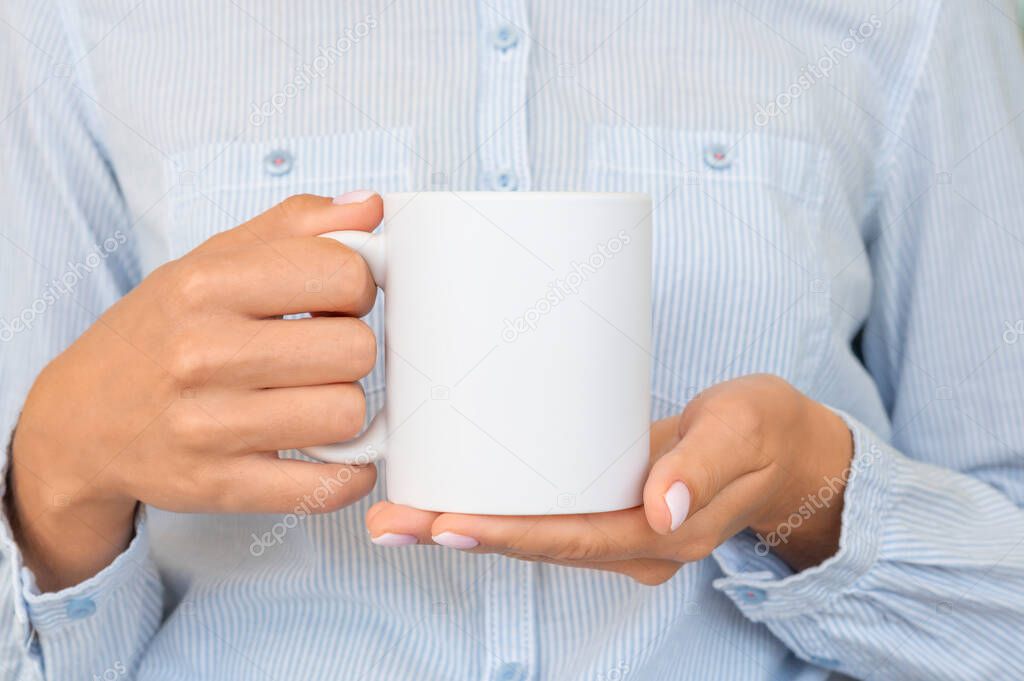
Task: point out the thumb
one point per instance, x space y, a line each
689 476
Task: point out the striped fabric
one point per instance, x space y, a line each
822 172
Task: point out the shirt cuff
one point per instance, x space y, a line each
49 612
45 615
763 587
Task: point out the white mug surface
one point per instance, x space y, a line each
517 329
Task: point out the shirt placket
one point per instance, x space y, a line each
504 40
503 165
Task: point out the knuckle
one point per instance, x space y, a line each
187 360
296 206
188 428
353 278
704 476
192 280
691 412
742 417
348 420
361 347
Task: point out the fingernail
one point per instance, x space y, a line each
353 197
455 541
677 498
392 539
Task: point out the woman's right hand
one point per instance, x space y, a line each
180 394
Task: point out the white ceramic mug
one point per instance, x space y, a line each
517 329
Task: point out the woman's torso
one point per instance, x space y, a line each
762 165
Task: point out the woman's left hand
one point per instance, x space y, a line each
750 452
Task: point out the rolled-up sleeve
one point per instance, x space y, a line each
93 628
928 582
66 254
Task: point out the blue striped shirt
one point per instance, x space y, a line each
839 200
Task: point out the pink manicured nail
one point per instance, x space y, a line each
455 541
353 197
677 498
392 539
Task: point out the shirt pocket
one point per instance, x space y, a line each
739 282
220 186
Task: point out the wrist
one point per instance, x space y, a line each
67 529
804 522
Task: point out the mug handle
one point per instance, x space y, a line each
367 447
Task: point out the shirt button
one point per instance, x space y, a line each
504 181
716 156
752 596
505 38
278 162
80 608
511 671
826 662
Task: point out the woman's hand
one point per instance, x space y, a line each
181 393
749 452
